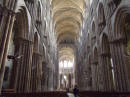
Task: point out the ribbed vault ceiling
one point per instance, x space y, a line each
67 18
66 54
67 15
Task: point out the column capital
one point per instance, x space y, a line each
94 63
20 40
105 55
37 54
119 40
6 10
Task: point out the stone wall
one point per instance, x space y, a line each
35 54
102 65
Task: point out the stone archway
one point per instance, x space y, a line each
120 48
101 17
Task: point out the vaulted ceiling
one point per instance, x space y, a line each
67 18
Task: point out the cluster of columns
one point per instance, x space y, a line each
36 74
109 71
6 25
23 66
113 75
26 74
23 77
119 64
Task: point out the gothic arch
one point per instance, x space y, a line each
105 48
120 17
39 12
120 46
121 37
36 43
95 55
88 36
23 25
93 27
101 18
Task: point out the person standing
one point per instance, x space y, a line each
76 91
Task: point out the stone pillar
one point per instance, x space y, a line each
119 62
106 69
97 76
6 26
94 77
69 80
89 76
36 73
50 80
85 77
45 77
24 65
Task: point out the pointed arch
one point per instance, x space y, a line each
25 29
105 48
36 44
93 27
95 55
101 18
39 11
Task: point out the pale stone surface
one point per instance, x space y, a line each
91 33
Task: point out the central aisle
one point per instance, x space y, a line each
70 95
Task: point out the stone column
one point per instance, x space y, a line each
44 76
29 65
94 77
69 80
119 62
89 76
106 72
24 65
50 80
106 79
6 26
97 76
36 73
